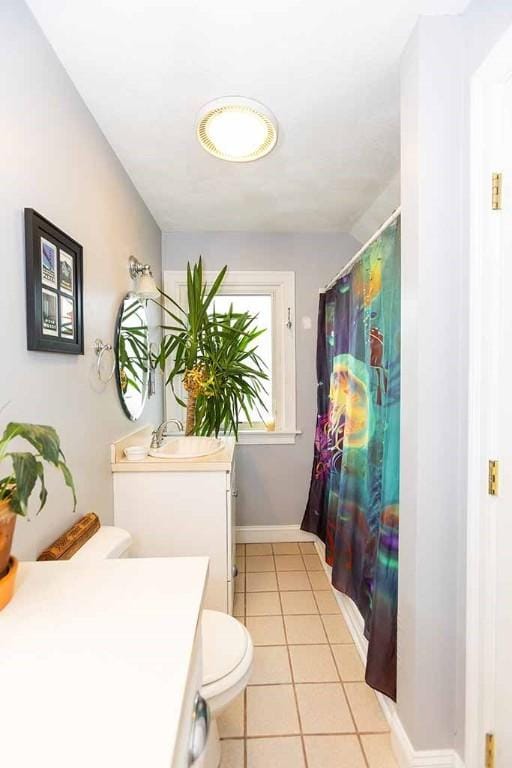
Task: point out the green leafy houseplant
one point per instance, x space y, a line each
215 354
27 469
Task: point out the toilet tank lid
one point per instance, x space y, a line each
108 542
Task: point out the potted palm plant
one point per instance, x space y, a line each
17 488
215 355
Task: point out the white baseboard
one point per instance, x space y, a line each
406 755
349 610
261 534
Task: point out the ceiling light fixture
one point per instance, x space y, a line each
237 129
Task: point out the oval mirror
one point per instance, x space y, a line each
132 355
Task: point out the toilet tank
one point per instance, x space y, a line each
108 542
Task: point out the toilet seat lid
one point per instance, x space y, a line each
225 643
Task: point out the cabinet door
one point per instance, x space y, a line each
232 495
172 514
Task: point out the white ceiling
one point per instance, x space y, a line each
327 69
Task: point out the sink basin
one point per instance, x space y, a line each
183 448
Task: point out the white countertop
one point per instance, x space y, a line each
221 461
94 661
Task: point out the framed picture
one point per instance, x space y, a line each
54 264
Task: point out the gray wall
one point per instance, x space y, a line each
437 67
55 159
274 480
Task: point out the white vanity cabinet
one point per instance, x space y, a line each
182 508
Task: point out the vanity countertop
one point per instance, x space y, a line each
94 661
221 461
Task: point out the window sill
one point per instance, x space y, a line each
262 437
258 437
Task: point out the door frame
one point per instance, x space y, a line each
486 156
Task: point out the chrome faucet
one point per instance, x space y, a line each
160 432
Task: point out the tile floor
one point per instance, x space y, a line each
307 705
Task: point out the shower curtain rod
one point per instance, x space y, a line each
363 248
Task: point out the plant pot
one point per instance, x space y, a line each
7 582
7 523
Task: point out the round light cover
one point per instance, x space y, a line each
237 129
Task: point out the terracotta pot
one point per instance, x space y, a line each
7 583
7 523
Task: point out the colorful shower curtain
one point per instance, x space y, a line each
353 498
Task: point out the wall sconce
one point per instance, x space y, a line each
146 286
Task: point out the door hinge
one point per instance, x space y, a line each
489 750
497 183
494 468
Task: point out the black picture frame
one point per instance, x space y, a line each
54 287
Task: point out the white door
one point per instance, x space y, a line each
501 509
489 517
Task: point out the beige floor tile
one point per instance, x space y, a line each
286 549
302 630
319 580
313 563
231 720
284 752
240 549
378 751
239 605
259 563
307 548
232 753
266 630
336 628
298 602
240 582
271 711
334 752
261 582
293 580
271 665
365 708
326 602
262 604
240 563
348 662
313 664
289 563
258 549
323 708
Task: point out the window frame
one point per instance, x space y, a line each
281 287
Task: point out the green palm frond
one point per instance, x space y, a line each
222 345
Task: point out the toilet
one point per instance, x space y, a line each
227 645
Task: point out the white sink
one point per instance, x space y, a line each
183 448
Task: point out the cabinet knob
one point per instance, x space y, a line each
235 493
200 729
234 571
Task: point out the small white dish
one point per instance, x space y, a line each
136 453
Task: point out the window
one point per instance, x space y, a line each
271 296
261 308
